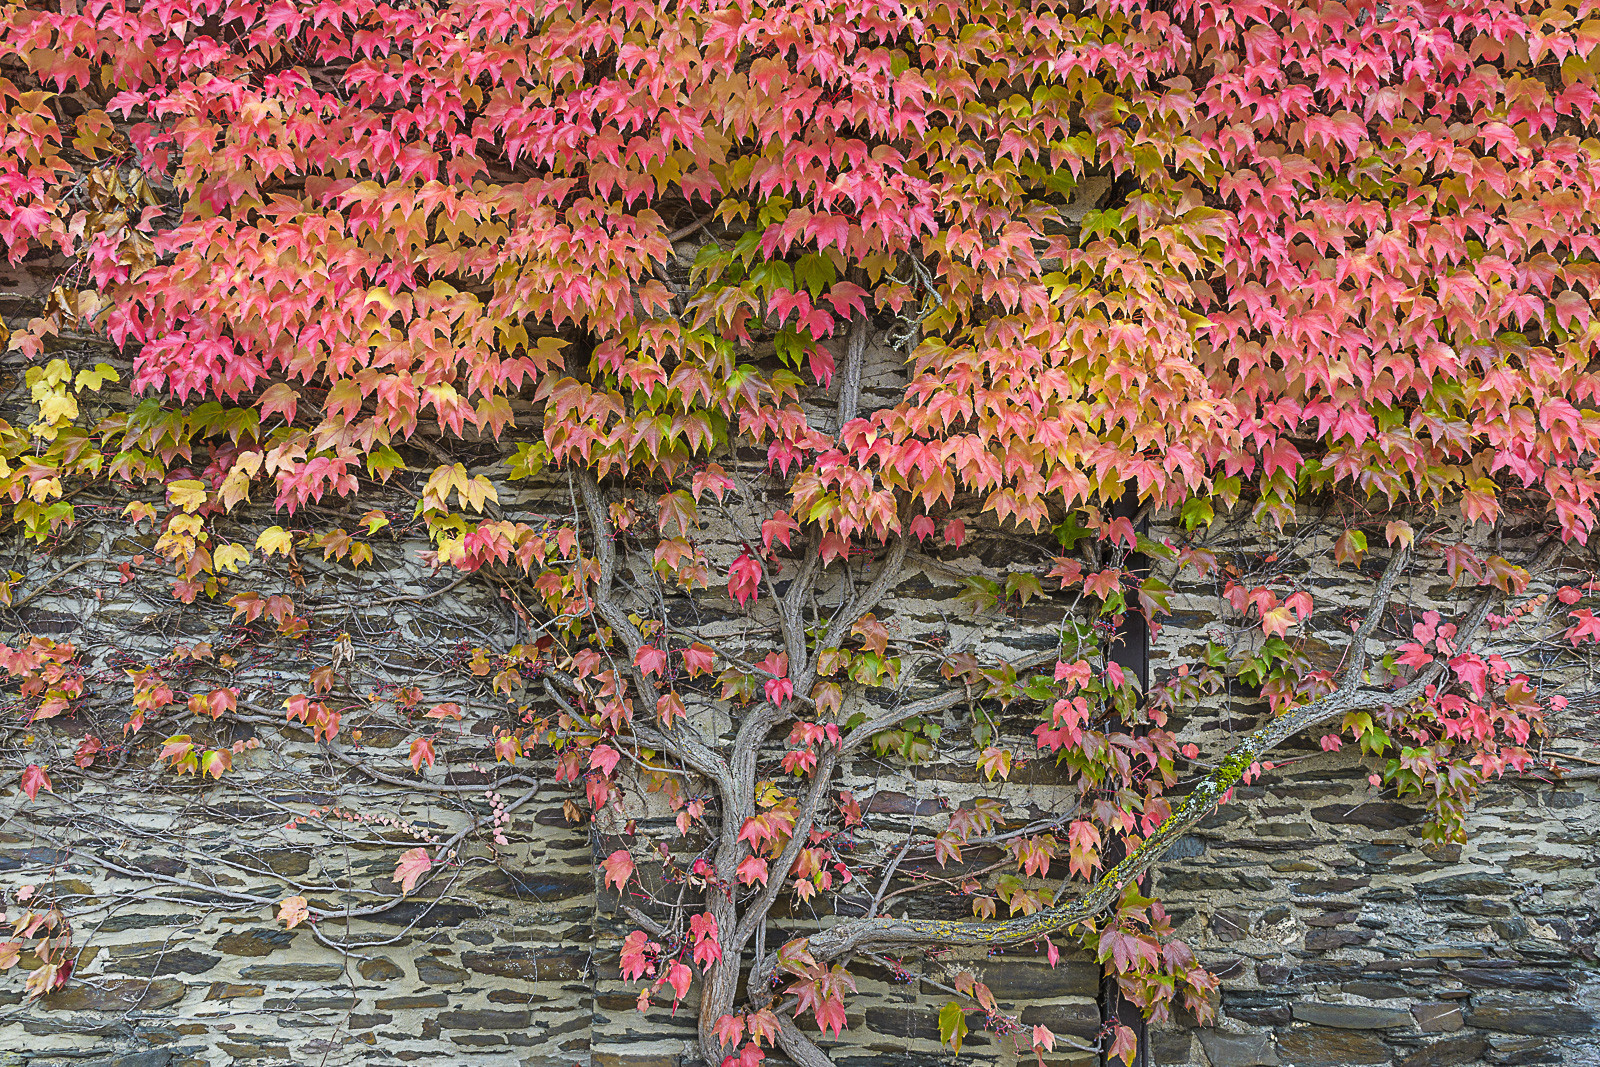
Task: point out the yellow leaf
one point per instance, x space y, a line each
189 525
275 540
187 493
92 380
235 489
230 556
139 511
374 521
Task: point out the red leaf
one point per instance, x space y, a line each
414 863
34 779
618 867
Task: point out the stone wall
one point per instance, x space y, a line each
1340 936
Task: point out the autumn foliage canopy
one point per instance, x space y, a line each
1239 257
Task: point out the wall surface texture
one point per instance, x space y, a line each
1340 938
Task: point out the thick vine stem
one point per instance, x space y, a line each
855 935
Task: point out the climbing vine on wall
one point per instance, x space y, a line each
370 265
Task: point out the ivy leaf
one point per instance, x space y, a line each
618 867
414 863
292 911
952 1025
34 779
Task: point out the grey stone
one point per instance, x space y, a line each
1351 1016
1238 1050
1230 926
1438 1016
1519 1017
1325 1046
1463 1048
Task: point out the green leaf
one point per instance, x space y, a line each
952 1025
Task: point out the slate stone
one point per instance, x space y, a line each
427 1000
436 972
116 995
294 972
1326 1046
380 969
1081 1018
1022 981
1230 926
485 1019
905 1022
1351 1016
1464 1048
1238 1050
1480 884
261 941
1439 1016
1328 940
176 961
154 1057
532 965
1519 1017
1379 815
233 991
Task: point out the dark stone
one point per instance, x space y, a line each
1228 969
425 914
1256 1011
484 1019
1326 1046
532 965
262 941
1021 981
1238 1050
534 885
1185 848
1271 974
1447 1053
1170 1046
231 991
1230 926
1081 1019
906 1022
117 995
1332 918
380 969
427 1000
1350 1016
1468 885
437 972
155 1057
1517 1017
1530 981
1521 1050
1328 940
176 961
1438 1016
888 802
1379 815
294 972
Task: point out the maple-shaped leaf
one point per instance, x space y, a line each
1125 1046
679 976
618 867
698 659
952 1025
292 911
744 578
34 779
995 762
729 1029
604 759
752 869
1586 626
635 958
414 863
421 753
650 660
